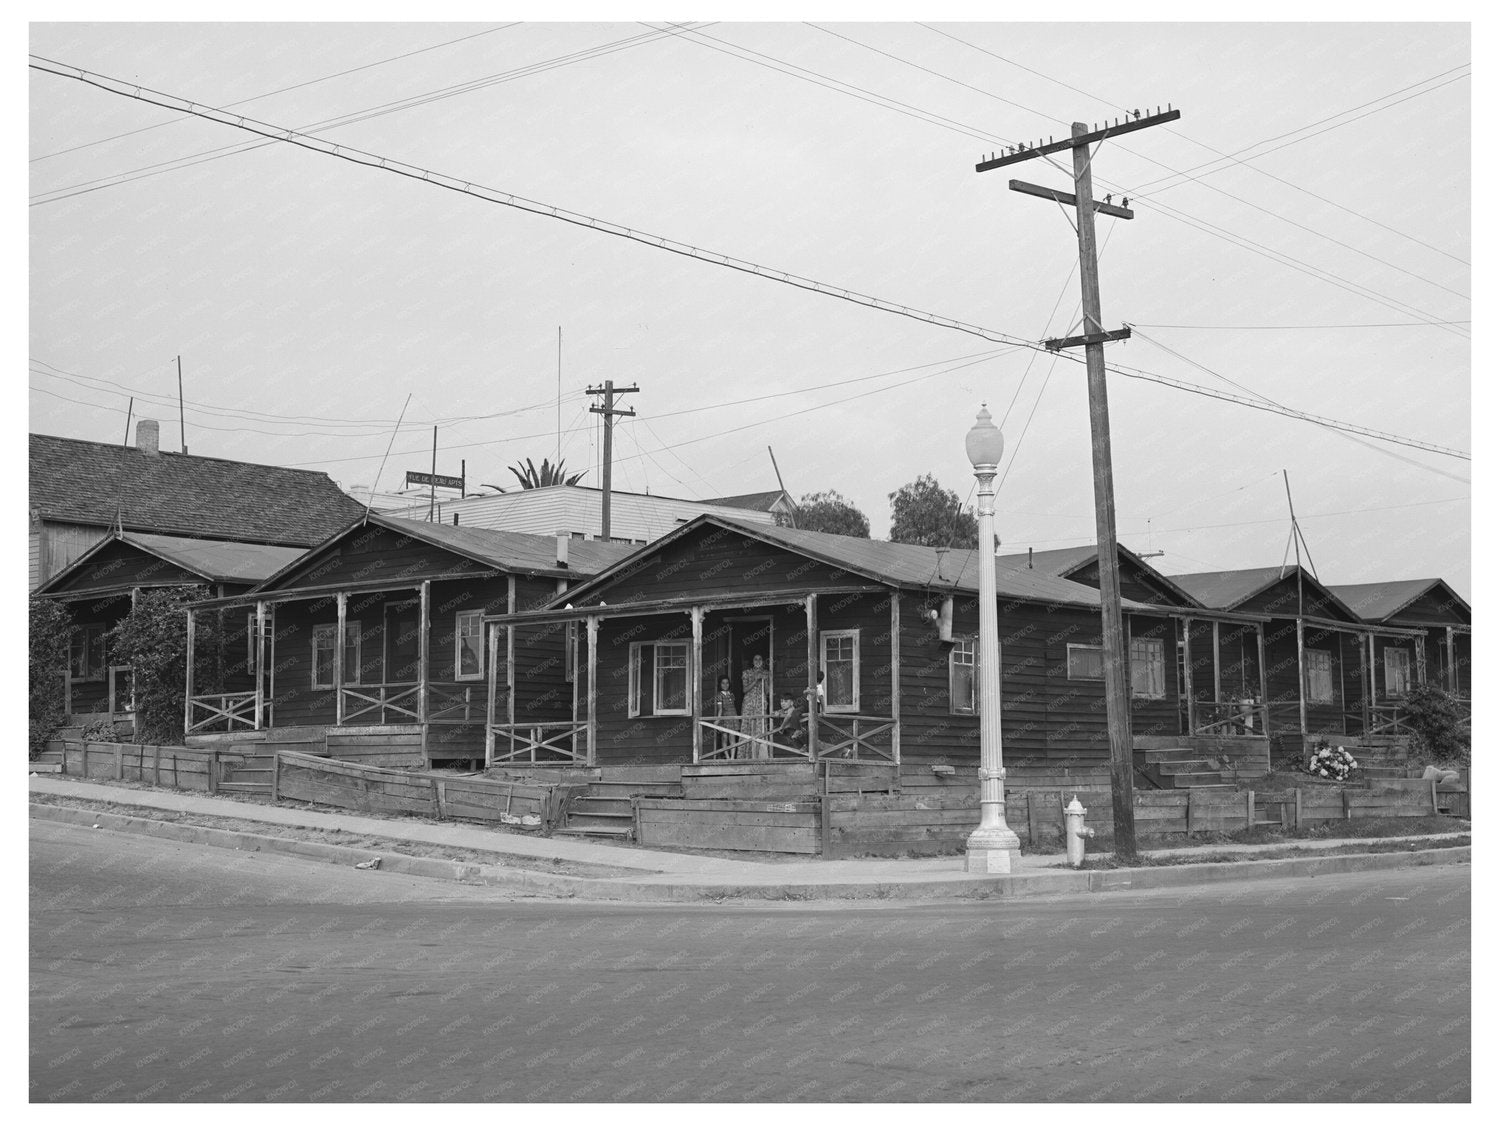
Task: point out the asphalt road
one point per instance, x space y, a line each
163 972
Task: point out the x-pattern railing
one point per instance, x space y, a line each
231 708
539 742
856 738
727 740
401 699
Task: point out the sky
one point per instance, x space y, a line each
1301 238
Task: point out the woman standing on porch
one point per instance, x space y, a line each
756 681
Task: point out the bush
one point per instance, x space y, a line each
1435 717
152 639
50 628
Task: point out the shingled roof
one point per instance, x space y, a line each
95 484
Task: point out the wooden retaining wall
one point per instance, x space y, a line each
178 767
366 788
756 826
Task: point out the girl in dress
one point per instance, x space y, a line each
756 682
726 716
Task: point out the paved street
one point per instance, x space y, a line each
166 972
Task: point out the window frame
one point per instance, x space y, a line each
828 705
1098 650
459 675
352 634
1327 656
1404 663
962 646
87 641
1157 660
636 684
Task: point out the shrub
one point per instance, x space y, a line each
1436 717
1332 762
49 629
152 639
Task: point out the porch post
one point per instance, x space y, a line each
1452 677
1260 660
271 661
260 661
424 676
1302 680
896 677
338 659
510 654
1365 702
187 703
492 644
1374 694
1421 647
811 609
593 700
1187 674
695 680
1218 677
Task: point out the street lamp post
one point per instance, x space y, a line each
992 848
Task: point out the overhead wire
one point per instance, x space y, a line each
357 156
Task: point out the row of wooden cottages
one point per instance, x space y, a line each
470 644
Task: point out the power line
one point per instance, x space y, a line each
1297 327
491 195
282 90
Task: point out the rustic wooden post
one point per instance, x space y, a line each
260 662
896 679
424 655
1451 679
1344 793
593 700
695 681
1297 809
1030 820
1187 674
83 765
510 658
1218 676
811 611
826 832
156 765
440 797
1189 828
187 691
1249 809
1420 644
119 761
1432 792
492 645
1374 692
338 659
213 771
1301 683
67 677
275 776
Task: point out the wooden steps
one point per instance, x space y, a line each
1181 767
605 809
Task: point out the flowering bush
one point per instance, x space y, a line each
1334 763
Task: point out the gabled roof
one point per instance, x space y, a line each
510 551
209 559
1379 601
1064 562
759 501
1229 589
893 564
93 483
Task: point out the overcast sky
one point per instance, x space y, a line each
1301 236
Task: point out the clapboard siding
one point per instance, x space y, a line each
122 565
376 554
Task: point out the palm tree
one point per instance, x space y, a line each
548 475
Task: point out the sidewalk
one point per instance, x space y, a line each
640 874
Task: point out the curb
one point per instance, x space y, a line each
542 884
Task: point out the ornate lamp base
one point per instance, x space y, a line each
992 851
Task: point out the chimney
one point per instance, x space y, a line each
562 548
148 436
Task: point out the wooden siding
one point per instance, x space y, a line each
120 565
377 554
1136 583
61 543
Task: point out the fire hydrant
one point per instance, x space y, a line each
1074 831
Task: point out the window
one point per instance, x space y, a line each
86 653
1319 675
1085 662
468 645
1148 668
1397 672
963 668
840 666
659 678
322 654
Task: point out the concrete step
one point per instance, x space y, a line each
613 833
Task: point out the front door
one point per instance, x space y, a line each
753 684
403 646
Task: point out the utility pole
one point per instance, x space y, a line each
609 410
1116 687
181 415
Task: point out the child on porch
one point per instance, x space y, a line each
725 715
790 729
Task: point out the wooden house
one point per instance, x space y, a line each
1220 654
102 585
1431 605
891 629
81 492
377 633
1328 671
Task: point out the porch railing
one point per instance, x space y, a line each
733 739
857 738
1230 718
1388 718
453 703
539 743
381 701
235 709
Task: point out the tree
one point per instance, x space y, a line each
832 513
548 475
49 628
925 513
